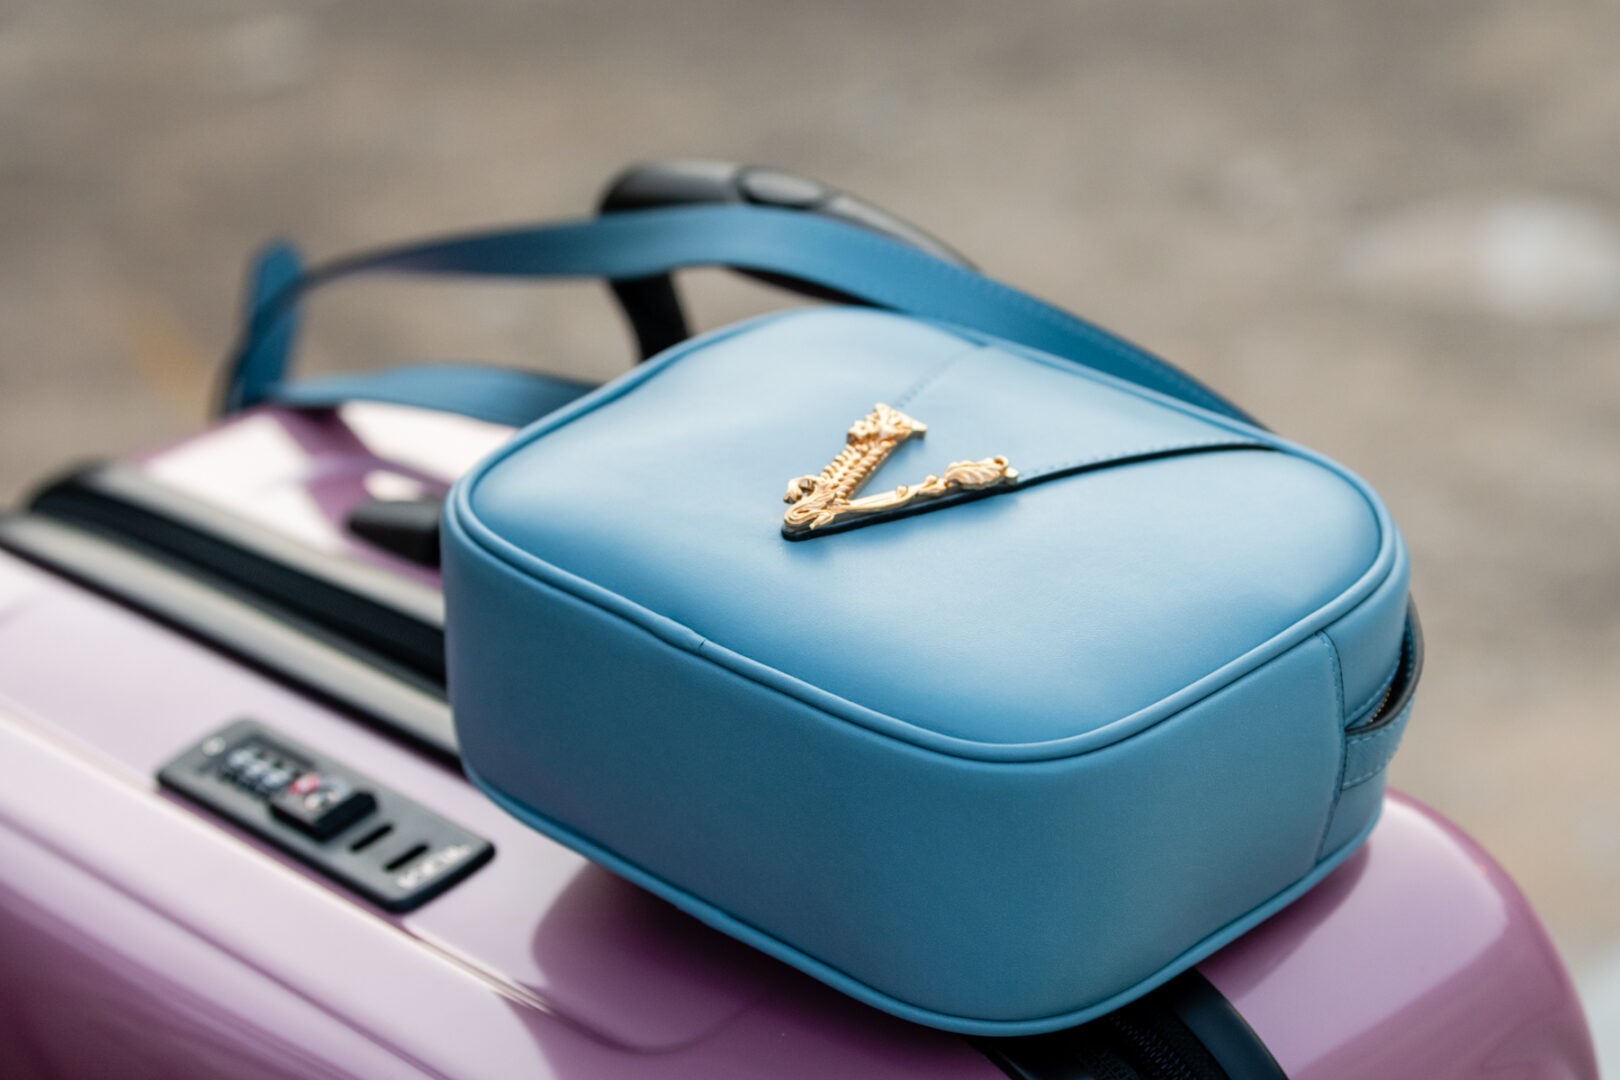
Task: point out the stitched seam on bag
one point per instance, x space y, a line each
1343 743
1338 671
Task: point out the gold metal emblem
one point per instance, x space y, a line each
829 498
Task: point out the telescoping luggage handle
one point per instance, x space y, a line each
810 251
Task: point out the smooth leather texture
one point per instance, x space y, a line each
1232 548
997 767
986 897
636 244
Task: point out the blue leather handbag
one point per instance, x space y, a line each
950 649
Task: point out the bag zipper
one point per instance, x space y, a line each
1376 713
1403 684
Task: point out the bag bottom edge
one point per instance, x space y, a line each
730 925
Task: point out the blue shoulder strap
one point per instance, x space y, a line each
642 243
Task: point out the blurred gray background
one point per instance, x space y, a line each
1391 230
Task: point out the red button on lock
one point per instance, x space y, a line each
321 805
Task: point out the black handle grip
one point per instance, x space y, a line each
652 305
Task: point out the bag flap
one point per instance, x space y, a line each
1050 609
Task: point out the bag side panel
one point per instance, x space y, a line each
966 894
1368 639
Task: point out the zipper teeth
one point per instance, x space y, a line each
1376 713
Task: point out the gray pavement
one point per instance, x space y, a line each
1392 230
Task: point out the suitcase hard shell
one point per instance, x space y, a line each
200 952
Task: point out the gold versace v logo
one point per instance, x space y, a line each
829 498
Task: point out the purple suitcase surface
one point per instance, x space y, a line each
142 936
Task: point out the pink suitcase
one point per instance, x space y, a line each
148 605
235 839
